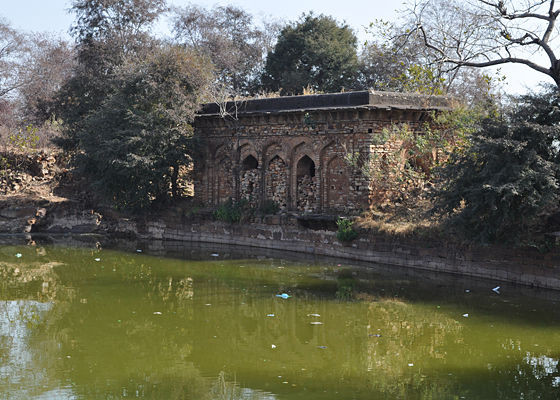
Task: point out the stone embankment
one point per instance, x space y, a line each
525 267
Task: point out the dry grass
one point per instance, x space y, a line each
410 219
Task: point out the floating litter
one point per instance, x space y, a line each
270 315
375 335
316 323
208 304
467 291
322 347
157 313
466 315
18 255
410 364
313 315
215 255
97 259
273 346
138 250
496 289
284 295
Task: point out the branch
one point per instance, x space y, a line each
489 63
505 60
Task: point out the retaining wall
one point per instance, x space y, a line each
526 267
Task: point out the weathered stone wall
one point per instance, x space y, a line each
526 267
295 158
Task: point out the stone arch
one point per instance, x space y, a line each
306 184
337 184
276 179
249 180
272 150
249 163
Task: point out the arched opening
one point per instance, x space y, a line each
306 166
306 185
249 180
249 163
276 178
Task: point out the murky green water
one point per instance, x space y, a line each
104 324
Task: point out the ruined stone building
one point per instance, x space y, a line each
293 150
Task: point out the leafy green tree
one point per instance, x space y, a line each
316 53
135 143
505 184
107 33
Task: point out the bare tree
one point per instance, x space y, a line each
12 49
48 65
484 33
228 36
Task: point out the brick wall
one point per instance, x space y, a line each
296 158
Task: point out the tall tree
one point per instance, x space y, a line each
12 51
504 185
393 59
107 32
48 65
229 37
138 139
317 53
483 33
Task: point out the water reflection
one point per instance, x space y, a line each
134 325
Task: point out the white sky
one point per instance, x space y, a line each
52 16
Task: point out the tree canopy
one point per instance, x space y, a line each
137 140
505 184
483 33
228 36
317 53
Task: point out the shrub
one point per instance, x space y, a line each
345 231
270 207
503 187
233 212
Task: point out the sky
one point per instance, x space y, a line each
53 16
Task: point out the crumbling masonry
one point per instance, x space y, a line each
293 151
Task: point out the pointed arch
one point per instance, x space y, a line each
276 181
306 185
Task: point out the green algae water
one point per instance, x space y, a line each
88 323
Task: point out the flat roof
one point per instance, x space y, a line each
365 99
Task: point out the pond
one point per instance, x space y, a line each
210 323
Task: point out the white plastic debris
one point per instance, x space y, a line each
157 313
496 290
467 290
18 255
270 315
273 346
466 315
139 250
284 295
215 255
313 315
316 323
